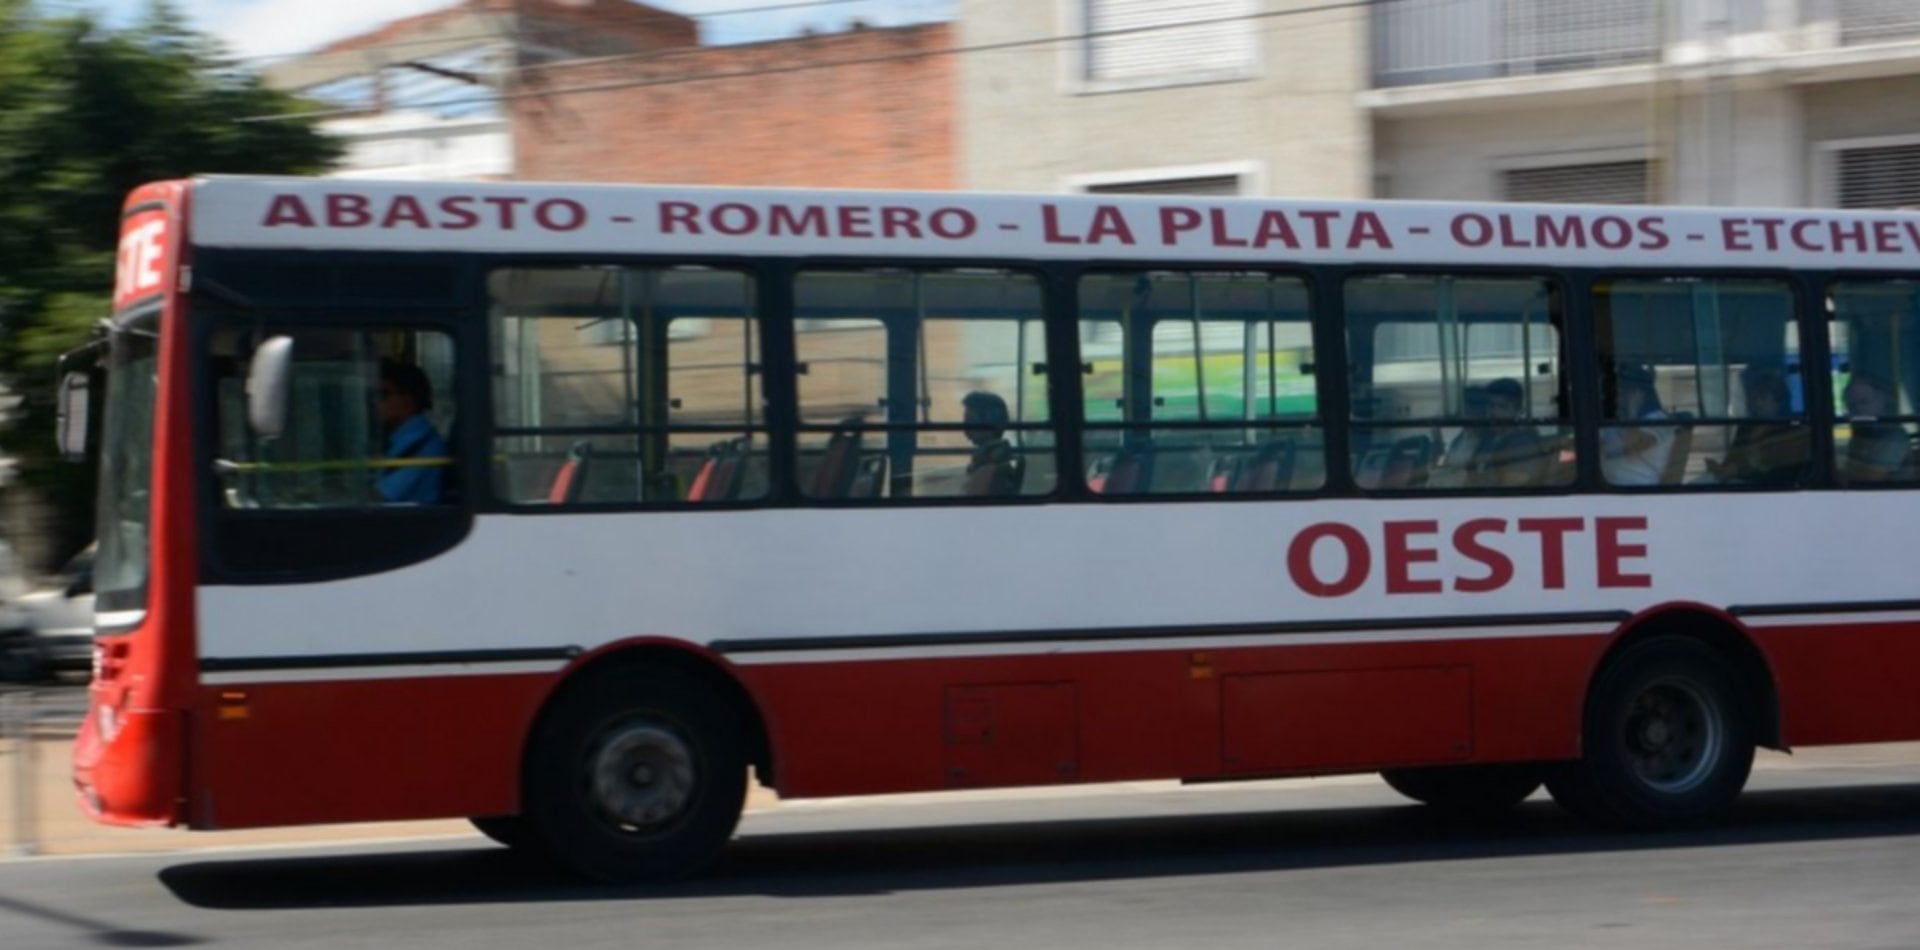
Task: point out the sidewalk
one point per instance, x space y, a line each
55 825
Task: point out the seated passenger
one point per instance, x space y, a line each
1764 453
994 468
1505 456
1878 450
418 456
1636 455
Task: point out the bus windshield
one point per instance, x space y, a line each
126 469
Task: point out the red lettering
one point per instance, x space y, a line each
1733 235
1913 232
1886 237
506 204
547 214
405 208
677 214
1612 233
1174 221
1050 227
1653 233
1466 540
1472 230
1359 562
287 210
348 211
1402 555
1799 233
896 220
855 222
1322 227
1553 555
1274 227
954 224
1108 222
1368 228
1507 237
1609 551
734 219
457 213
782 221
1770 227
1220 237
1849 232
1568 231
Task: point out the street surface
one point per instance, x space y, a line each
1823 852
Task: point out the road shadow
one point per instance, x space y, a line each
865 862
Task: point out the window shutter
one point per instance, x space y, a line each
1886 176
1602 183
1212 186
1207 48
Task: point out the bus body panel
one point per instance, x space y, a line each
1845 681
131 756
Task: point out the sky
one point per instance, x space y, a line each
266 29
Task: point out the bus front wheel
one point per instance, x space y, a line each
1466 790
1668 739
635 775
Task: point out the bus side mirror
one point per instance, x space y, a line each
269 377
71 428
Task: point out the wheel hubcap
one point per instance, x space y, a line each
641 777
1674 736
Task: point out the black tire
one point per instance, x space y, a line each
1468 791
21 660
504 829
1667 741
635 775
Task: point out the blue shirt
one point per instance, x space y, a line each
414 484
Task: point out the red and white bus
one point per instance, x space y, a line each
854 493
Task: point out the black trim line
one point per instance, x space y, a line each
1844 607
1005 637
441 658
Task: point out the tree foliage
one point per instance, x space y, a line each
88 113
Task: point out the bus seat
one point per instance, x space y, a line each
719 475
834 478
572 477
869 477
1269 469
999 478
1126 473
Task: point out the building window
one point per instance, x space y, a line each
1600 183
1208 186
1151 41
1886 176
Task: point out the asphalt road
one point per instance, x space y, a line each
1820 856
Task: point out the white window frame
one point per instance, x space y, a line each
1824 166
1251 173
1073 61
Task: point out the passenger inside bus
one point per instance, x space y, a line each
1771 451
995 468
1636 454
1878 451
416 455
1505 453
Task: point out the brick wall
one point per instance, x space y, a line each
882 118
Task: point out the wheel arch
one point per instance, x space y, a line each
685 658
1725 635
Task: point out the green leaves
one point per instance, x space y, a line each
86 115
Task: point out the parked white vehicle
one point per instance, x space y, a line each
46 630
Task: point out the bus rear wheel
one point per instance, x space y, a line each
1467 790
634 776
1668 740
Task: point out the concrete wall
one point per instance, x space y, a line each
1028 123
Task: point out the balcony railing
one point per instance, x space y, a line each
1424 41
